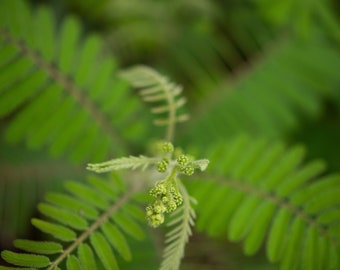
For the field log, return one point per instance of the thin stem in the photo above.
(92, 228)
(172, 113)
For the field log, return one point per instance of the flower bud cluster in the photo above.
(167, 200)
(167, 147)
(184, 164)
(166, 195)
(162, 165)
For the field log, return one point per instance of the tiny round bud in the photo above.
(189, 170)
(159, 207)
(167, 147)
(156, 220)
(165, 199)
(158, 190)
(178, 199)
(162, 166)
(171, 206)
(182, 160)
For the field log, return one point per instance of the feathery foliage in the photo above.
(158, 89)
(123, 163)
(43, 62)
(178, 236)
(263, 193)
(288, 84)
(59, 89)
(88, 223)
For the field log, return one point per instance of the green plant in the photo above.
(66, 98)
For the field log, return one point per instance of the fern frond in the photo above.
(177, 237)
(94, 223)
(131, 162)
(61, 89)
(158, 89)
(270, 196)
(302, 80)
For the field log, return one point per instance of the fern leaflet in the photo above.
(94, 222)
(86, 100)
(123, 163)
(156, 88)
(250, 105)
(267, 191)
(176, 239)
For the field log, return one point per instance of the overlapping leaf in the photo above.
(61, 89)
(263, 193)
(271, 99)
(89, 228)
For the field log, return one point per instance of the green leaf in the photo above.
(134, 211)
(283, 200)
(59, 232)
(105, 187)
(259, 228)
(308, 172)
(21, 92)
(69, 37)
(15, 268)
(28, 260)
(103, 251)
(209, 209)
(178, 236)
(72, 263)
(87, 194)
(157, 89)
(86, 257)
(89, 54)
(130, 162)
(276, 236)
(72, 204)
(292, 251)
(287, 164)
(63, 216)
(323, 200)
(45, 39)
(128, 225)
(241, 219)
(311, 251)
(38, 247)
(117, 240)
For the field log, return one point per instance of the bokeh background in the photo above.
(265, 68)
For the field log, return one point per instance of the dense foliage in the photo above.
(260, 98)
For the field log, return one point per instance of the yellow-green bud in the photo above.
(158, 190)
(182, 160)
(167, 147)
(188, 170)
(162, 166)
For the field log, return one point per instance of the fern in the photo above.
(302, 80)
(156, 88)
(93, 216)
(123, 163)
(263, 190)
(61, 70)
(177, 238)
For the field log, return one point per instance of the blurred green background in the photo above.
(266, 68)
